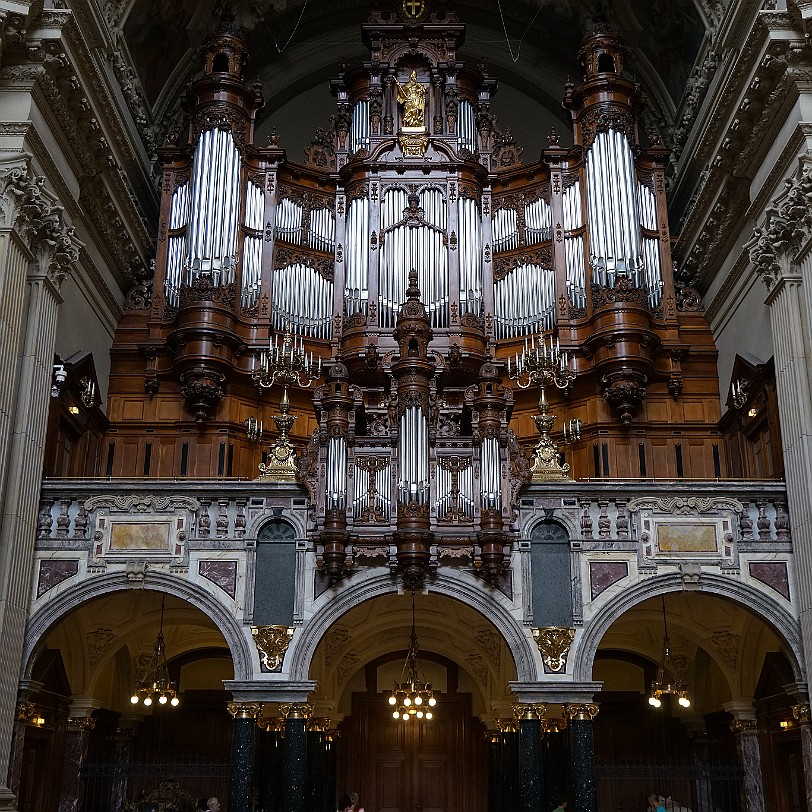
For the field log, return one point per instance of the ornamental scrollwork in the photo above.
(685, 505)
(141, 503)
(503, 266)
(554, 643)
(272, 643)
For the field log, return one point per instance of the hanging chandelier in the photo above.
(412, 697)
(155, 685)
(662, 685)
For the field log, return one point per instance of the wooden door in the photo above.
(436, 766)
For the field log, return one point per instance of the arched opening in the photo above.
(442, 763)
(87, 666)
(737, 672)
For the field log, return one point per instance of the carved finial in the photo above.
(273, 137)
(553, 138)
(413, 292)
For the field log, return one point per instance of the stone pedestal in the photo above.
(582, 757)
(242, 755)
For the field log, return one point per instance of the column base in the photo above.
(8, 800)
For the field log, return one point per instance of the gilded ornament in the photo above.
(296, 710)
(801, 712)
(523, 710)
(554, 643)
(585, 711)
(244, 710)
(272, 642)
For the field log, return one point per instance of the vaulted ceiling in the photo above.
(530, 45)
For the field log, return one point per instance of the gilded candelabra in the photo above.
(288, 365)
(543, 364)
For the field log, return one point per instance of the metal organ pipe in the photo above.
(466, 126)
(470, 247)
(647, 204)
(356, 291)
(214, 208)
(490, 479)
(322, 235)
(413, 457)
(538, 219)
(336, 484)
(176, 253)
(252, 244)
(413, 246)
(303, 299)
(289, 221)
(359, 127)
(574, 246)
(614, 234)
(524, 302)
(505, 230)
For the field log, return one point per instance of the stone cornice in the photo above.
(752, 112)
(58, 68)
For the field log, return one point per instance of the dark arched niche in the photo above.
(275, 574)
(551, 575)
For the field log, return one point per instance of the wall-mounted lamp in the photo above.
(87, 392)
(59, 377)
(738, 389)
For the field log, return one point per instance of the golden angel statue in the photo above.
(412, 96)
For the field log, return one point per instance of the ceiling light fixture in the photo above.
(412, 697)
(155, 685)
(662, 685)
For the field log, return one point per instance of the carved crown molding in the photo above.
(685, 505)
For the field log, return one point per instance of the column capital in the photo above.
(529, 711)
(244, 710)
(741, 726)
(586, 711)
(296, 710)
(801, 712)
(83, 723)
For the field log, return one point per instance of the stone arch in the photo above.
(55, 610)
(783, 624)
(465, 589)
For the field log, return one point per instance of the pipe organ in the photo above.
(414, 253)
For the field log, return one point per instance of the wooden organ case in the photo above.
(414, 254)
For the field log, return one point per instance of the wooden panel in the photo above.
(133, 409)
(396, 767)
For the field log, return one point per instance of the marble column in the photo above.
(530, 777)
(331, 743)
(316, 766)
(125, 736)
(801, 712)
(270, 771)
(555, 761)
(240, 795)
(294, 756)
(77, 740)
(510, 765)
(582, 756)
(749, 753)
(24, 712)
(36, 253)
(494, 771)
(699, 754)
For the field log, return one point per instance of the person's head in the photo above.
(653, 800)
(344, 803)
(213, 804)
